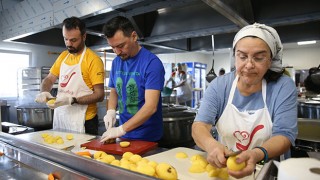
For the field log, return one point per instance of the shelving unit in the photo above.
(29, 80)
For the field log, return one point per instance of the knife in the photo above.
(232, 154)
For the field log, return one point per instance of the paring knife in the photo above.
(233, 154)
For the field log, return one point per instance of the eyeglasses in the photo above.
(256, 59)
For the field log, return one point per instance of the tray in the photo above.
(182, 165)
(37, 138)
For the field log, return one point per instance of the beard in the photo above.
(72, 50)
(124, 56)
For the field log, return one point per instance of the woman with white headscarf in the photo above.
(252, 109)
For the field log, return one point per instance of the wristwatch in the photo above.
(74, 101)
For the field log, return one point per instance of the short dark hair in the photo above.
(74, 23)
(118, 23)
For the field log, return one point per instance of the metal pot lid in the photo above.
(32, 106)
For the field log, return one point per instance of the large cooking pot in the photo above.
(177, 129)
(308, 110)
(315, 76)
(39, 118)
(312, 82)
(173, 108)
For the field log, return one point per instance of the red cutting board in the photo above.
(136, 147)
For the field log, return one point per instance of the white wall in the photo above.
(300, 58)
(220, 60)
(39, 54)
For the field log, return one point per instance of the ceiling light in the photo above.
(306, 42)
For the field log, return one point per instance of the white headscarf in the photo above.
(267, 34)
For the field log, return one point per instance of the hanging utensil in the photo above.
(211, 75)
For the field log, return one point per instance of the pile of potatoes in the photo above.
(135, 162)
(50, 139)
(199, 164)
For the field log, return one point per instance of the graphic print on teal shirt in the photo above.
(132, 96)
(119, 84)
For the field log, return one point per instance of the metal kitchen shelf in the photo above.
(29, 82)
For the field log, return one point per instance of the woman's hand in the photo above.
(251, 158)
(216, 154)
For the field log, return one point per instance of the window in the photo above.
(10, 62)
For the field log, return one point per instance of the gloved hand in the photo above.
(60, 101)
(110, 119)
(43, 97)
(114, 132)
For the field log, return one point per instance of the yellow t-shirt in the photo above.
(92, 72)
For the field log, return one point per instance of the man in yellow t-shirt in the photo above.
(81, 82)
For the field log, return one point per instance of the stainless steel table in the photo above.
(28, 160)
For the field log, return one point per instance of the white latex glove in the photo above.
(60, 101)
(110, 119)
(43, 97)
(112, 133)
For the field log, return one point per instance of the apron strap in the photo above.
(234, 85)
(264, 92)
(233, 88)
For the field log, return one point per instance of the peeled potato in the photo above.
(233, 165)
(127, 155)
(135, 158)
(51, 101)
(181, 155)
(69, 136)
(124, 144)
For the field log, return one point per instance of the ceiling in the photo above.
(171, 26)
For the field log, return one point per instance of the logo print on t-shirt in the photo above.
(68, 79)
(243, 136)
(132, 96)
(119, 84)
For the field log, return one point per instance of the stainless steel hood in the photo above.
(169, 26)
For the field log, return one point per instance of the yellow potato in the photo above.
(153, 164)
(197, 157)
(43, 135)
(200, 162)
(125, 166)
(209, 168)
(146, 169)
(69, 136)
(196, 169)
(233, 165)
(133, 167)
(166, 171)
(59, 141)
(135, 158)
(99, 154)
(109, 158)
(181, 155)
(51, 101)
(214, 172)
(115, 162)
(124, 144)
(127, 155)
(223, 174)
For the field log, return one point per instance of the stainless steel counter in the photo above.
(28, 159)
